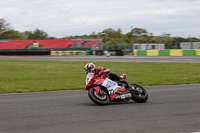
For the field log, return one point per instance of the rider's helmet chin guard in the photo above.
(89, 67)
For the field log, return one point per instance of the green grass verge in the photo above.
(26, 76)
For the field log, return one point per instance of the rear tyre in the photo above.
(97, 98)
(141, 95)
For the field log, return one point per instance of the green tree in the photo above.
(11, 34)
(192, 39)
(138, 35)
(138, 32)
(4, 26)
(167, 40)
(37, 34)
(6, 31)
(111, 33)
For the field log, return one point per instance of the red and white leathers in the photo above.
(101, 70)
(90, 68)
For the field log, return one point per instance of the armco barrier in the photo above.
(79, 52)
(87, 52)
(141, 53)
(163, 53)
(176, 53)
(56, 53)
(63, 52)
(52, 53)
(39, 51)
(83, 52)
(189, 52)
(152, 52)
(173, 52)
(66, 52)
(135, 52)
(197, 52)
(59, 52)
(75, 52)
(70, 53)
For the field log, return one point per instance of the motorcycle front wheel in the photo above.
(141, 95)
(100, 99)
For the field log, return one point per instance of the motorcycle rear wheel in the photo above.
(97, 98)
(141, 96)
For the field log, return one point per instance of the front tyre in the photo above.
(140, 95)
(98, 98)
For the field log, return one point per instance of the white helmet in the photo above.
(89, 67)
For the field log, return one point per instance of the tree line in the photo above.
(8, 33)
(109, 36)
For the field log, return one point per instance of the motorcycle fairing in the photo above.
(88, 77)
(113, 89)
(97, 89)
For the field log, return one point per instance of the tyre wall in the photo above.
(173, 52)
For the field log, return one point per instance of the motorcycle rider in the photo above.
(90, 67)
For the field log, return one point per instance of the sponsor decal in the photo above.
(115, 90)
(110, 84)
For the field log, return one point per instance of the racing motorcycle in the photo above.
(102, 90)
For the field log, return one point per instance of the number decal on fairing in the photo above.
(110, 84)
(88, 77)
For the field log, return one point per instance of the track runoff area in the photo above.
(169, 109)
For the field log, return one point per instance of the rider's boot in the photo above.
(122, 79)
(128, 85)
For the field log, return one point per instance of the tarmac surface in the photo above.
(191, 59)
(169, 109)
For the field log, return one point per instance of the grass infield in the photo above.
(26, 76)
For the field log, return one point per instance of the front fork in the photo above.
(98, 90)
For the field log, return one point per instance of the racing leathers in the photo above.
(113, 76)
(101, 70)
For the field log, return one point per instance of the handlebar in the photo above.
(104, 74)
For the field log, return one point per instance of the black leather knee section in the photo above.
(114, 76)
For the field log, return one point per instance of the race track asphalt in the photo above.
(170, 109)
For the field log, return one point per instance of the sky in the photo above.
(61, 18)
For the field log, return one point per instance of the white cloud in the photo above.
(61, 18)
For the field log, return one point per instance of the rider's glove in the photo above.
(103, 72)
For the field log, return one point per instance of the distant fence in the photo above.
(24, 52)
(70, 53)
(110, 52)
(87, 52)
(36, 51)
(60, 52)
(173, 52)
